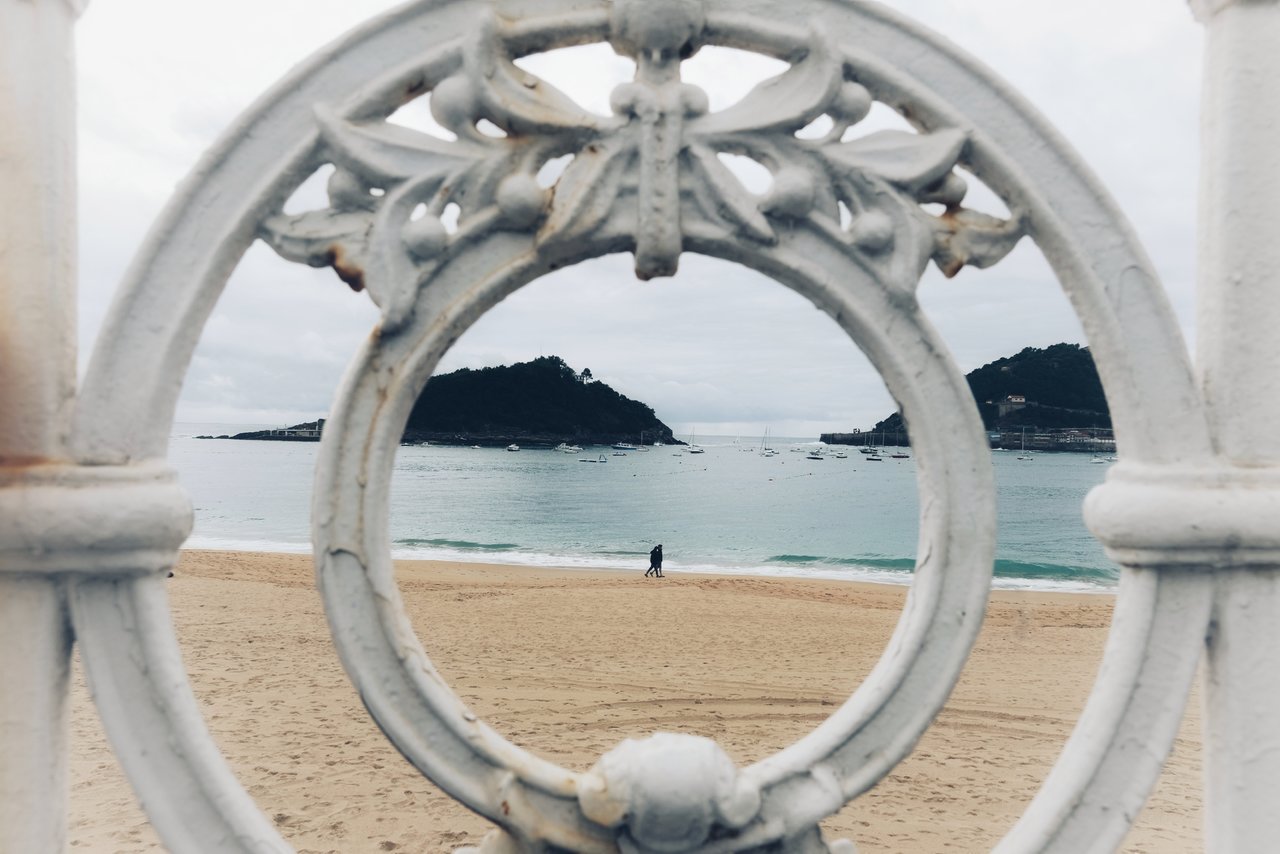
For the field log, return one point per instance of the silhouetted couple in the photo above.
(655, 562)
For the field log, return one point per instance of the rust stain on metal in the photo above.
(968, 237)
(956, 260)
(27, 462)
(952, 268)
(347, 271)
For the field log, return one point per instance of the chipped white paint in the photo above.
(87, 532)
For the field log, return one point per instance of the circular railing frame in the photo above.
(131, 389)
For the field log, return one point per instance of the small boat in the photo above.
(696, 449)
(600, 459)
(867, 450)
(841, 455)
(619, 453)
(900, 456)
(568, 449)
(814, 455)
(513, 447)
(765, 450)
(475, 447)
(1098, 461)
(874, 458)
(624, 446)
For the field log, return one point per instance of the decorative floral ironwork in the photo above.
(658, 152)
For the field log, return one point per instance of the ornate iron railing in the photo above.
(91, 515)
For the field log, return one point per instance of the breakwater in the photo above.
(1079, 440)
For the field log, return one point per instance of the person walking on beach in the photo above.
(655, 562)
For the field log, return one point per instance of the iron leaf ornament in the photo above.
(655, 164)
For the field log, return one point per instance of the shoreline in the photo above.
(816, 570)
(567, 662)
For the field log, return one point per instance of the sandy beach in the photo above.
(567, 663)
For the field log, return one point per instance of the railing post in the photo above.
(37, 389)
(1238, 355)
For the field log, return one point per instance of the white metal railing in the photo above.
(90, 515)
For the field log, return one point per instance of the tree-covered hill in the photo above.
(1062, 376)
(1060, 384)
(539, 402)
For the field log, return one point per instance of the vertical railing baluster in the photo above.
(37, 388)
(1238, 354)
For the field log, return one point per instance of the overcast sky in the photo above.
(718, 349)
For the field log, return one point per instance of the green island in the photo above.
(1046, 399)
(540, 403)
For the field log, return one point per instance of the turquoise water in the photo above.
(728, 510)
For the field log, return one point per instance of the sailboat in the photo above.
(765, 450)
(1022, 451)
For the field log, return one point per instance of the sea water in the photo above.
(729, 510)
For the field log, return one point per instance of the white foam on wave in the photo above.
(638, 563)
(225, 544)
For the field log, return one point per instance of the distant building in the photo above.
(306, 432)
(1011, 403)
